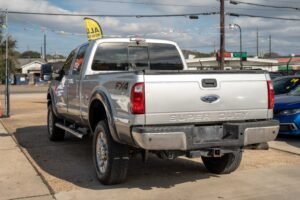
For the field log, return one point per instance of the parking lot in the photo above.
(64, 170)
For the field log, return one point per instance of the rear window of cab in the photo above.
(120, 56)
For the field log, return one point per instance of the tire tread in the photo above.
(117, 166)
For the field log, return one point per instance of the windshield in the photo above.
(284, 86)
(295, 92)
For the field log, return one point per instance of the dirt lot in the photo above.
(67, 166)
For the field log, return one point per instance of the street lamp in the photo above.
(288, 63)
(232, 27)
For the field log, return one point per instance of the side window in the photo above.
(76, 68)
(111, 57)
(67, 64)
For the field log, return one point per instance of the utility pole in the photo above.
(45, 46)
(222, 33)
(270, 46)
(257, 43)
(7, 106)
(41, 52)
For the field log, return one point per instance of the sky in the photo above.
(65, 33)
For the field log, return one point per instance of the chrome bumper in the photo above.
(260, 135)
(160, 141)
(192, 137)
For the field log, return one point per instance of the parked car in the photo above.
(48, 68)
(287, 111)
(275, 75)
(285, 84)
(297, 73)
(137, 96)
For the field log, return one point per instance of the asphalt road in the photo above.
(68, 172)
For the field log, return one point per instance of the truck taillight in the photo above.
(138, 99)
(270, 95)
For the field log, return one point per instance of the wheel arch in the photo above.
(100, 109)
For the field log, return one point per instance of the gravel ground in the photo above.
(21, 89)
(67, 165)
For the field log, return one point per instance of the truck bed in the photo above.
(184, 97)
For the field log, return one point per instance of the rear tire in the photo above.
(223, 165)
(54, 133)
(110, 158)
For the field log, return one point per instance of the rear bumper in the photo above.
(199, 137)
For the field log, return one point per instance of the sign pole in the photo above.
(7, 106)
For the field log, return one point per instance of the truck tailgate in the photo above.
(189, 98)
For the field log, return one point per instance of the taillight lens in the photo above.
(270, 95)
(138, 99)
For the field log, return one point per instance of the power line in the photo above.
(263, 5)
(110, 15)
(263, 9)
(147, 3)
(150, 16)
(284, 1)
(165, 4)
(260, 16)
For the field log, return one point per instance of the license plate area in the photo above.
(209, 134)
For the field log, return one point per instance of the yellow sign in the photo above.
(93, 29)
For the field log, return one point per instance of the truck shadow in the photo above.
(293, 140)
(71, 161)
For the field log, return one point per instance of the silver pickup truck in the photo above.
(137, 96)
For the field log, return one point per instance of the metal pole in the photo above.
(287, 65)
(6, 68)
(45, 47)
(257, 44)
(222, 33)
(241, 48)
(270, 46)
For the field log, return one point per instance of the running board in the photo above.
(75, 133)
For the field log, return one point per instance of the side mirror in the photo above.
(46, 72)
(46, 77)
(57, 74)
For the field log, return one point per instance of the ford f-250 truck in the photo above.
(136, 95)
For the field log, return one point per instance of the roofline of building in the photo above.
(210, 59)
(21, 67)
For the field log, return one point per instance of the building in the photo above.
(290, 64)
(211, 63)
(31, 67)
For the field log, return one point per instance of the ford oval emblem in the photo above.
(210, 98)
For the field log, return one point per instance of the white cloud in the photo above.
(202, 33)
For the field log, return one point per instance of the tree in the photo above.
(197, 54)
(30, 54)
(12, 56)
(55, 56)
(273, 55)
(12, 53)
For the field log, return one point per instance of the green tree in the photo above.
(273, 55)
(30, 54)
(12, 55)
(197, 54)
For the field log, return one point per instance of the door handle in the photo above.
(209, 83)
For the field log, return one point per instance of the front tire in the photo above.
(223, 165)
(54, 133)
(110, 158)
